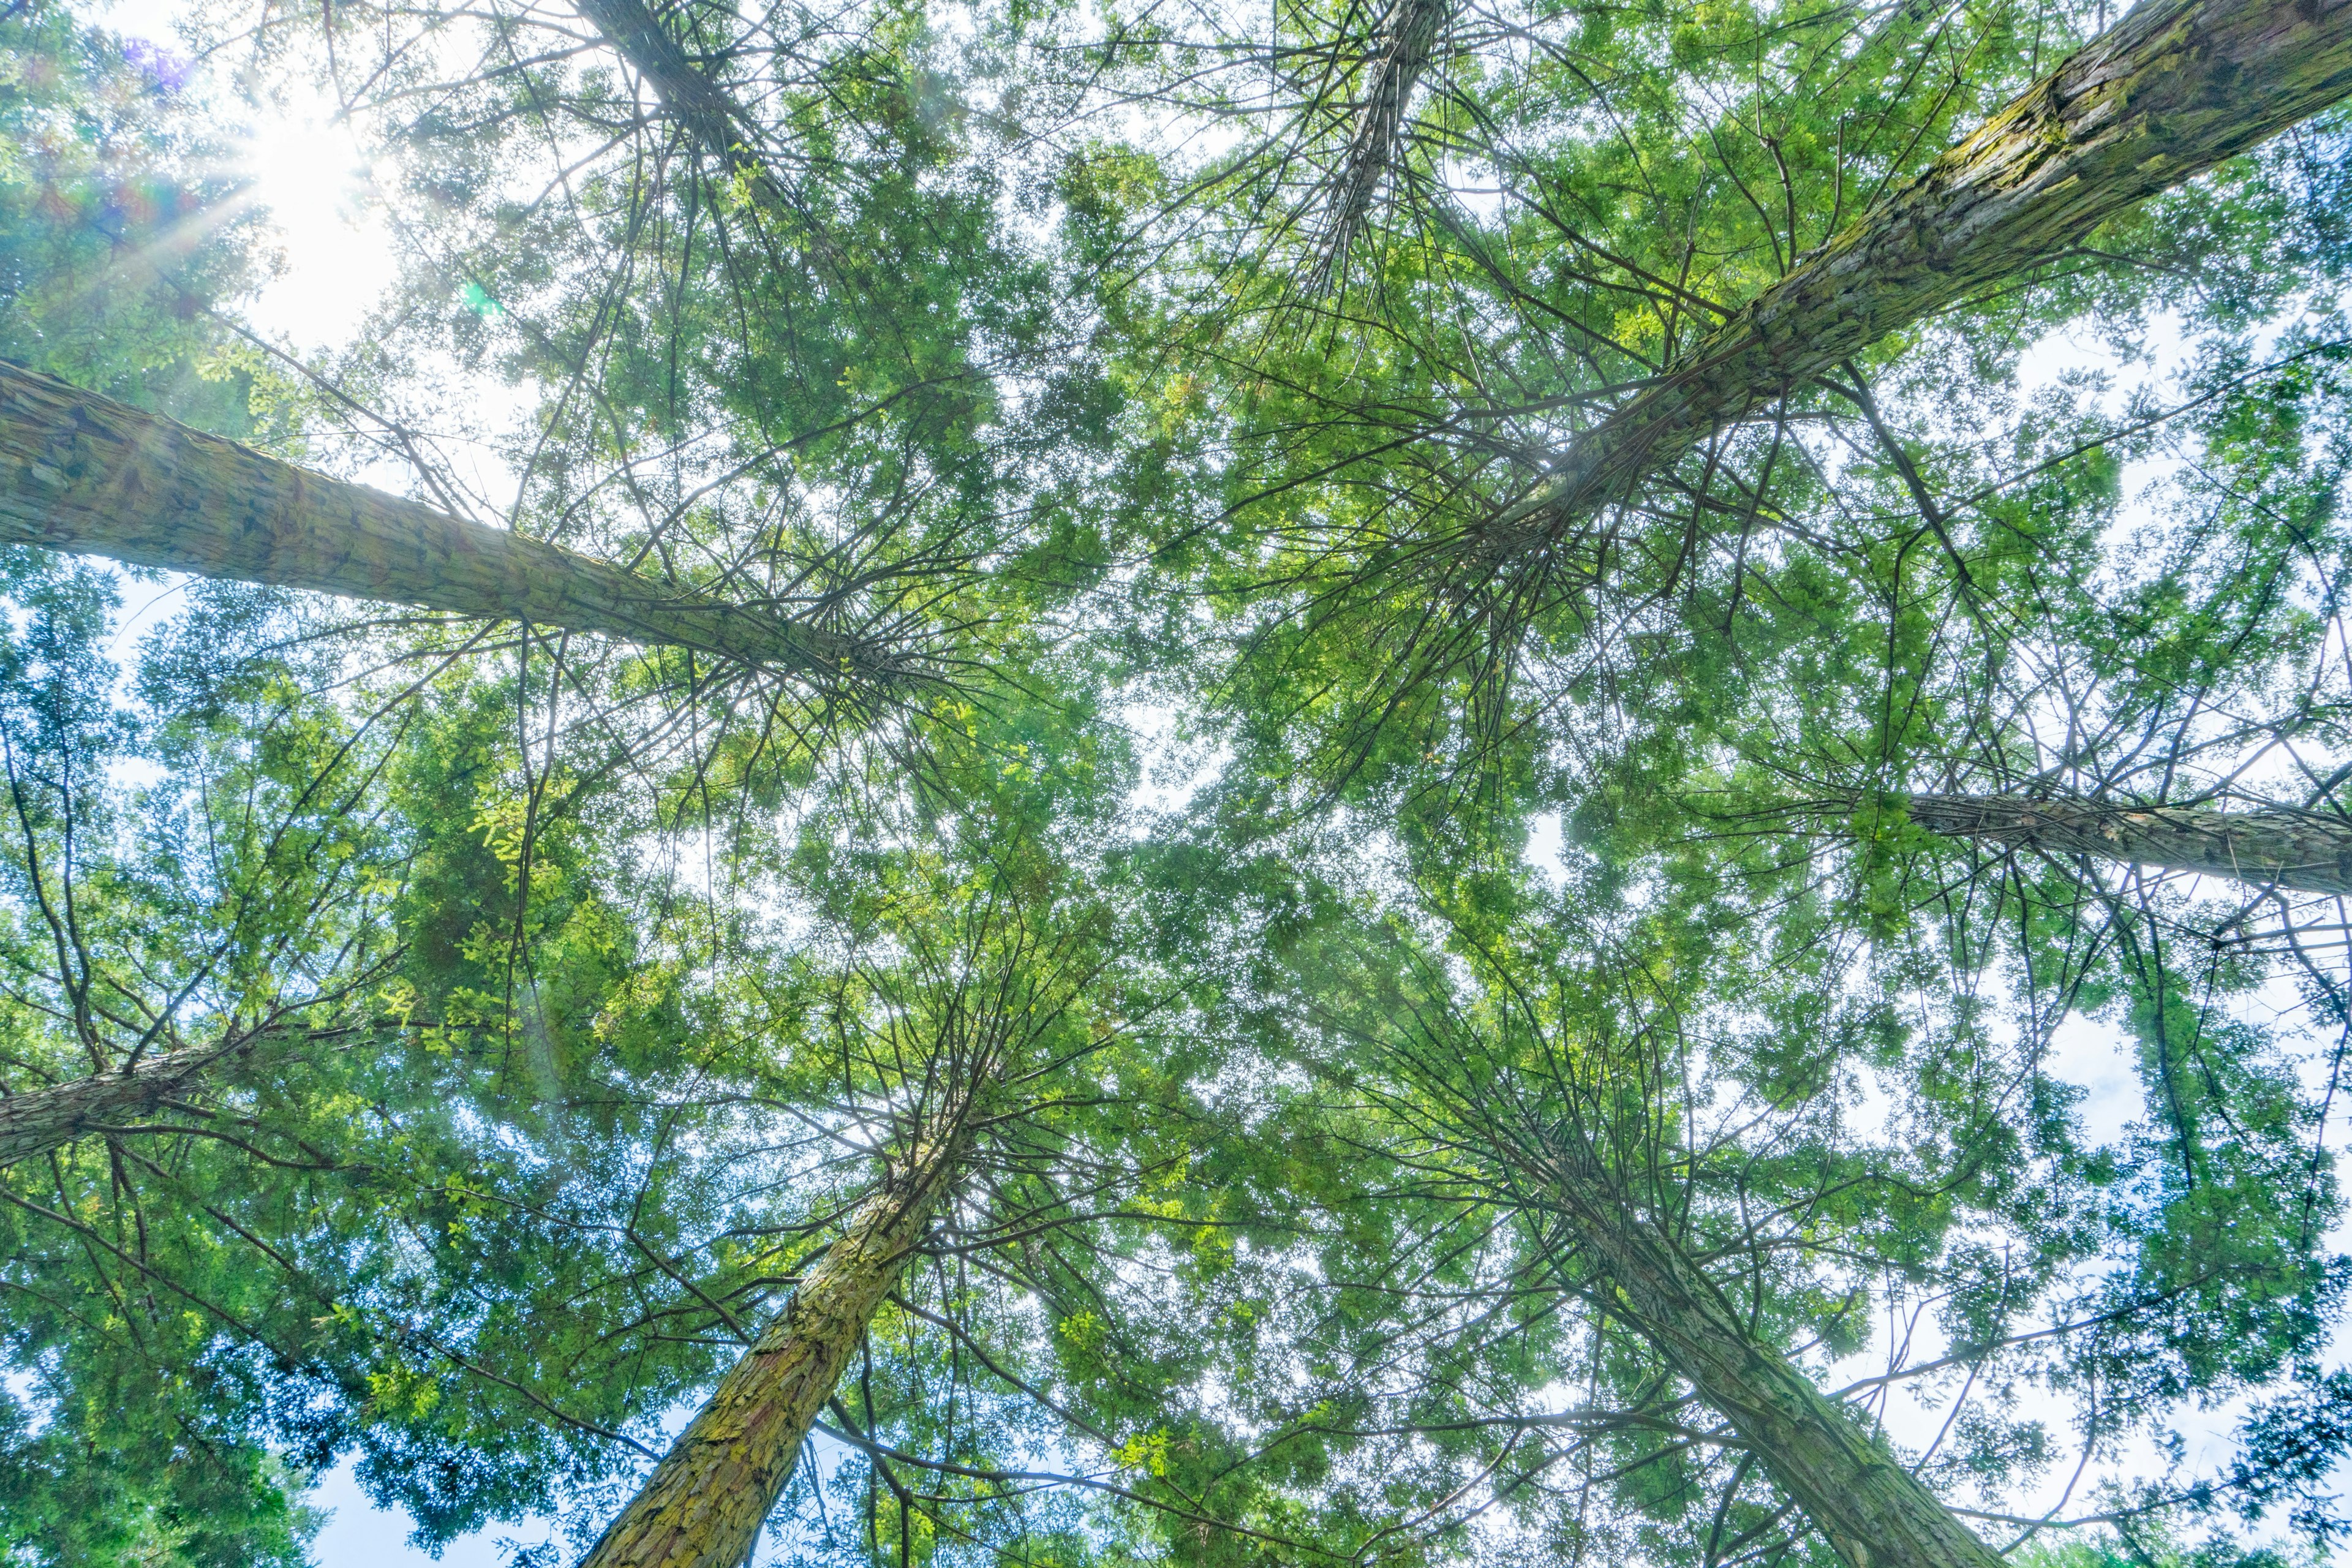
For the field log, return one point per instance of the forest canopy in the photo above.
(1138, 783)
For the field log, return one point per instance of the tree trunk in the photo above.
(40, 1119)
(706, 1501)
(2174, 88)
(33, 1123)
(2310, 851)
(1392, 69)
(83, 473)
(701, 108)
(1877, 1513)
(704, 111)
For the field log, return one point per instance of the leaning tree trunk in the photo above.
(83, 473)
(33, 1123)
(1391, 69)
(1873, 1511)
(2173, 89)
(2306, 850)
(706, 1501)
(40, 1119)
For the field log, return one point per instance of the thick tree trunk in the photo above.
(706, 1501)
(2306, 850)
(33, 1123)
(2173, 89)
(84, 473)
(40, 1119)
(1877, 1513)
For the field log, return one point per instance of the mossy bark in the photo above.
(83, 473)
(1874, 1512)
(2306, 850)
(706, 1501)
(2173, 89)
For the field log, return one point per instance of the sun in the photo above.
(307, 170)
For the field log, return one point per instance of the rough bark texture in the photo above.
(707, 1500)
(2300, 849)
(2174, 88)
(84, 473)
(33, 1123)
(1877, 1513)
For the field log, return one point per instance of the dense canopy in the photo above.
(1139, 784)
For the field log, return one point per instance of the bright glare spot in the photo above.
(1547, 849)
(309, 176)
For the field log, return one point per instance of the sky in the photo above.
(311, 176)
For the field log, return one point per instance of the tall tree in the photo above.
(91, 476)
(2311, 851)
(1598, 1096)
(996, 994)
(2174, 88)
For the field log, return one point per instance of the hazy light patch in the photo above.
(2074, 351)
(2096, 1058)
(1546, 850)
(25, 1387)
(1172, 771)
(157, 21)
(1475, 187)
(1872, 1114)
(146, 605)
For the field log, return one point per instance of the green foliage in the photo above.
(586, 991)
(119, 239)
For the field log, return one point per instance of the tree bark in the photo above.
(38, 1121)
(83, 473)
(1875, 1512)
(2173, 89)
(706, 1501)
(1392, 69)
(703, 110)
(2309, 851)
(690, 97)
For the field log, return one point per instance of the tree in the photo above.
(93, 477)
(472, 1047)
(2167, 93)
(1629, 1127)
(995, 997)
(2295, 849)
(1382, 472)
(35, 1122)
(122, 235)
